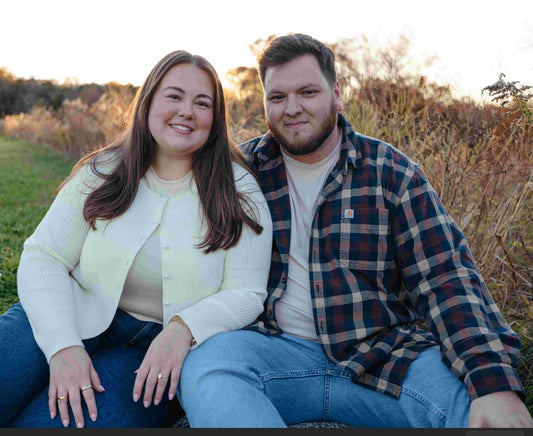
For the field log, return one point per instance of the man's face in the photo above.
(301, 108)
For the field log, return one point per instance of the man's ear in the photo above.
(338, 101)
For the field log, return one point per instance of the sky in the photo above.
(121, 40)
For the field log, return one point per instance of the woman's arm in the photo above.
(49, 254)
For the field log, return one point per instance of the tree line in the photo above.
(18, 95)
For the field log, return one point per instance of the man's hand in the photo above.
(500, 409)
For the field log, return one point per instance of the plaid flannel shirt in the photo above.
(384, 254)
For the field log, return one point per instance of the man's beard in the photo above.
(300, 147)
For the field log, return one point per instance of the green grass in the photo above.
(29, 176)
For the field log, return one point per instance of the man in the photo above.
(363, 249)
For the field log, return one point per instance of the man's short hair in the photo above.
(283, 49)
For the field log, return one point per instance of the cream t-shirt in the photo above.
(294, 311)
(142, 296)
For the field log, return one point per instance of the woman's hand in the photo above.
(72, 376)
(163, 361)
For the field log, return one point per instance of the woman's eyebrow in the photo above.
(177, 88)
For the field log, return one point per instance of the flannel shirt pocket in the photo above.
(365, 240)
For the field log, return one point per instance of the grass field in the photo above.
(30, 175)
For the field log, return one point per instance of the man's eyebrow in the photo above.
(307, 85)
(177, 88)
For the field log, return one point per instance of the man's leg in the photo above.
(431, 397)
(246, 379)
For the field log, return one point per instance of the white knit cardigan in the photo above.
(70, 277)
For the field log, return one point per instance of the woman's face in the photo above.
(181, 113)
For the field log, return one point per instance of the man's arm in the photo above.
(446, 287)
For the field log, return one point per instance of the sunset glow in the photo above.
(103, 41)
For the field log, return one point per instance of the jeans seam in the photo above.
(289, 374)
(427, 403)
(327, 388)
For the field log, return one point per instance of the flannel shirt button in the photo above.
(270, 313)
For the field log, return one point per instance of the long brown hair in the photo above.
(223, 206)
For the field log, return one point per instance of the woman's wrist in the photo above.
(178, 319)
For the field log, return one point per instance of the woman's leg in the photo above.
(122, 349)
(23, 367)
(116, 368)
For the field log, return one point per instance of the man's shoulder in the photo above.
(250, 146)
(380, 153)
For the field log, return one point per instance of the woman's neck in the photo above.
(171, 169)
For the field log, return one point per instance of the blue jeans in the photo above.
(116, 354)
(247, 379)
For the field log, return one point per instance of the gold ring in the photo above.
(86, 387)
(160, 376)
(62, 397)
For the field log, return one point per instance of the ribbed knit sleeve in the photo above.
(49, 254)
(243, 290)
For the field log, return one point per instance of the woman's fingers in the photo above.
(142, 372)
(162, 380)
(149, 386)
(174, 380)
(62, 405)
(87, 393)
(75, 404)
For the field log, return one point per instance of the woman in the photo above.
(153, 244)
